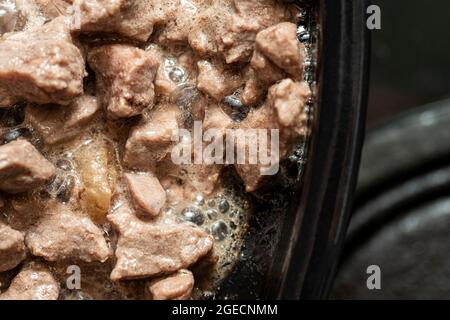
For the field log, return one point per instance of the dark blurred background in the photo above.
(410, 57)
(401, 219)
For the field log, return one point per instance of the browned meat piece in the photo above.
(12, 248)
(284, 109)
(146, 192)
(147, 249)
(56, 124)
(41, 65)
(34, 282)
(129, 18)
(151, 141)
(22, 167)
(216, 80)
(65, 235)
(125, 77)
(280, 44)
(177, 286)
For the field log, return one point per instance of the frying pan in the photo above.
(295, 239)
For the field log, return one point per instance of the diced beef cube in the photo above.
(151, 141)
(261, 76)
(41, 65)
(278, 54)
(64, 235)
(125, 77)
(56, 124)
(177, 286)
(252, 16)
(147, 249)
(12, 248)
(146, 192)
(288, 99)
(180, 17)
(216, 80)
(280, 44)
(22, 167)
(204, 177)
(133, 19)
(285, 110)
(34, 282)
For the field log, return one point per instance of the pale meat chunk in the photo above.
(217, 80)
(41, 65)
(22, 167)
(278, 54)
(34, 282)
(204, 177)
(12, 248)
(146, 192)
(125, 76)
(279, 43)
(132, 19)
(151, 141)
(57, 124)
(285, 110)
(64, 235)
(260, 77)
(147, 249)
(177, 286)
(252, 16)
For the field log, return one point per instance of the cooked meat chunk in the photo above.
(270, 64)
(146, 192)
(41, 65)
(216, 80)
(151, 141)
(228, 28)
(12, 248)
(129, 18)
(288, 100)
(56, 124)
(177, 286)
(124, 78)
(251, 17)
(180, 16)
(34, 282)
(280, 44)
(22, 167)
(285, 110)
(146, 249)
(204, 177)
(65, 235)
